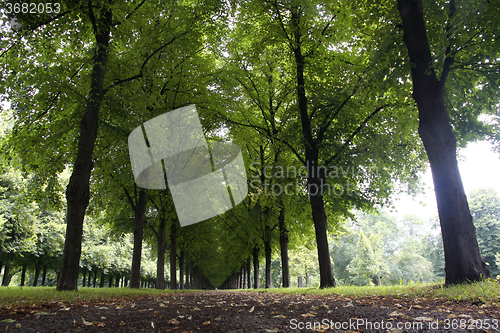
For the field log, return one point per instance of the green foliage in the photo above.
(378, 249)
(485, 209)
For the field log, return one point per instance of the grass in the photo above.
(486, 291)
(24, 296)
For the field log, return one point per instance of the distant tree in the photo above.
(485, 209)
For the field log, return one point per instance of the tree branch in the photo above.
(356, 132)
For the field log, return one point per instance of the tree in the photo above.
(430, 75)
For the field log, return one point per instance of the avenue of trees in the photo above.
(336, 105)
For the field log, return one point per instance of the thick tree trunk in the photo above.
(6, 274)
(102, 279)
(140, 211)
(77, 192)
(314, 181)
(255, 254)
(173, 255)
(162, 245)
(44, 276)
(463, 261)
(38, 267)
(249, 273)
(267, 251)
(285, 270)
(23, 275)
(181, 270)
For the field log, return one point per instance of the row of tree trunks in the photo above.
(241, 279)
(8, 276)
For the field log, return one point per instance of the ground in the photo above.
(239, 311)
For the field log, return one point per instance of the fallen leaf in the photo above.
(174, 321)
(7, 321)
(88, 323)
(251, 310)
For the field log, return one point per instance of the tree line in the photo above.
(376, 88)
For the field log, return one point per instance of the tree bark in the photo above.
(255, 254)
(160, 264)
(249, 273)
(38, 267)
(78, 192)
(140, 211)
(268, 250)
(23, 275)
(181, 270)
(173, 255)
(285, 269)
(463, 261)
(44, 275)
(6, 273)
(102, 280)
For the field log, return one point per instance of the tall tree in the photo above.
(463, 261)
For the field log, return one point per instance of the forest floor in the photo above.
(254, 311)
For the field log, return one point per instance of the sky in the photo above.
(479, 167)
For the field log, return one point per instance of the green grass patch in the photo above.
(486, 291)
(25, 296)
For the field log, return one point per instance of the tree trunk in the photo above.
(314, 181)
(463, 261)
(23, 275)
(77, 192)
(89, 278)
(268, 250)
(38, 267)
(285, 269)
(160, 264)
(249, 271)
(102, 280)
(255, 254)
(173, 255)
(181, 270)
(140, 211)
(44, 275)
(95, 278)
(6, 274)
(84, 278)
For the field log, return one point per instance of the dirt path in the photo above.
(225, 311)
